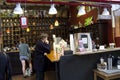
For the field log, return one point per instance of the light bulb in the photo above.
(51, 26)
(28, 29)
(8, 31)
(56, 23)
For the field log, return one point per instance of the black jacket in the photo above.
(5, 67)
(41, 48)
(39, 58)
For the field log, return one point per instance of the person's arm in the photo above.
(28, 49)
(46, 48)
(42, 47)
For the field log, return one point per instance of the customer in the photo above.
(5, 67)
(42, 47)
(25, 56)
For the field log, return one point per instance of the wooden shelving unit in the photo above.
(97, 30)
(12, 30)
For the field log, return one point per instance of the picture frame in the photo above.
(86, 41)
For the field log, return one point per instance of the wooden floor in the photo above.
(48, 76)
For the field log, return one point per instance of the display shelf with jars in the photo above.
(12, 31)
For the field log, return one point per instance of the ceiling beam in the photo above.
(58, 2)
(48, 1)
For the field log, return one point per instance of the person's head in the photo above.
(22, 40)
(43, 36)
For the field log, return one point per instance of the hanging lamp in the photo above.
(52, 10)
(105, 15)
(27, 29)
(81, 11)
(105, 12)
(18, 9)
(56, 23)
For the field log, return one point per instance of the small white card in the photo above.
(102, 47)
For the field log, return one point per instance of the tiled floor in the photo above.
(48, 76)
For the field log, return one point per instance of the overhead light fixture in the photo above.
(105, 15)
(52, 10)
(28, 29)
(18, 9)
(105, 12)
(51, 26)
(56, 23)
(81, 11)
(8, 31)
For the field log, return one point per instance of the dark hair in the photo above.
(22, 40)
(43, 36)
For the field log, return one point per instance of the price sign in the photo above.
(24, 22)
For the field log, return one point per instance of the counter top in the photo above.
(98, 51)
(55, 56)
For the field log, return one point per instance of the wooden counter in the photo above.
(53, 56)
(98, 51)
(56, 56)
(80, 66)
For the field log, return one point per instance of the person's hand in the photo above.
(46, 41)
(45, 54)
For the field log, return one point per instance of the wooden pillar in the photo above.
(73, 14)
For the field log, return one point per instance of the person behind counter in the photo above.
(25, 55)
(5, 67)
(42, 47)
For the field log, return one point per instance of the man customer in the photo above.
(42, 47)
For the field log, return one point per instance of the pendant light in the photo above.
(56, 23)
(52, 10)
(18, 9)
(81, 11)
(8, 31)
(27, 29)
(105, 12)
(51, 26)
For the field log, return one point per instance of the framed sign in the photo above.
(24, 22)
(83, 40)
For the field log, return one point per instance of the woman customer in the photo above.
(42, 47)
(25, 56)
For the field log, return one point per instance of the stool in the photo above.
(105, 76)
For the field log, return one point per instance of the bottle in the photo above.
(101, 60)
(118, 63)
(109, 61)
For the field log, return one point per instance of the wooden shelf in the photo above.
(37, 26)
